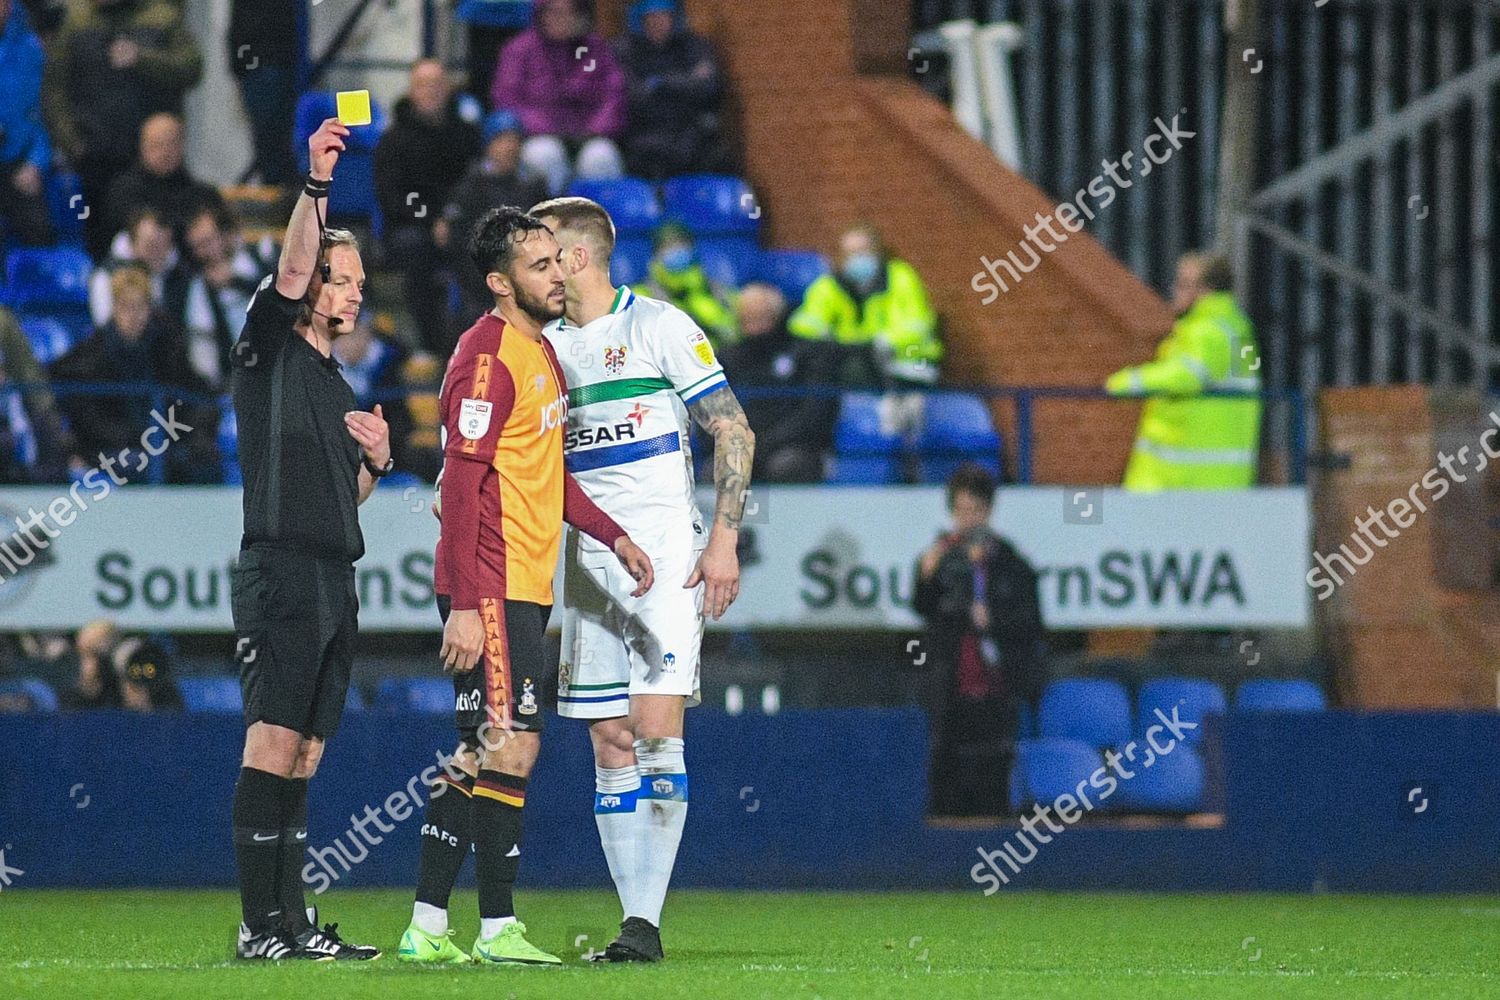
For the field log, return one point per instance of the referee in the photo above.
(309, 460)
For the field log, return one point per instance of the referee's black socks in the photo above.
(258, 803)
(293, 850)
(498, 803)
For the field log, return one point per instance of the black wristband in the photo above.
(314, 188)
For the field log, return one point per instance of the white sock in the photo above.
(615, 791)
(432, 919)
(661, 811)
(490, 926)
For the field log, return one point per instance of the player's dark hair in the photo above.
(974, 480)
(585, 219)
(492, 244)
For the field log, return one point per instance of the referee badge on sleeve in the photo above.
(474, 418)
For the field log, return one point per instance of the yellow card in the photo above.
(353, 106)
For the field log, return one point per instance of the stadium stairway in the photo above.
(836, 132)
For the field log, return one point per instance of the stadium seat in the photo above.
(47, 278)
(791, 271)
(428, 695)
(50, 336)
(1193, 699)
(1092, 710)
(1172, 784)
(217, 695)
(229, 430)
(631, 262)
(64, 193)
(956, 428)
(866, 451)
(729, 260)
(1267, 694)
(1025, 720)
(354, 194)
(630, 202)
(711, 205)
(353, 700)
(36, 693)
(1051, 767)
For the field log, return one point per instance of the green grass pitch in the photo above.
(167, 944)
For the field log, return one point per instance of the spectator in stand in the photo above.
(33, 445)
(677, 277)
(373, 367)
(146, 243)
(986, 649)
(133, 347)
(564, 83)
(112, 65)
(25, 150)
(675, 86)
(159, 181)
(419, 160)
(490, 23)
(792, 433)
(876, 308)
(97, 685)
(262, 43)
(226, 272)
(494, 180)
(143, 670)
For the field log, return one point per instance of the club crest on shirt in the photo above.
(528, 698)
(614, 360)
(474, 418)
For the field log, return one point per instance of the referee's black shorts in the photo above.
(505, 687)
(296, 614)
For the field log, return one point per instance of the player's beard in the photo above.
(540, 309)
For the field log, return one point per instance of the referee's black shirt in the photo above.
(300, 464)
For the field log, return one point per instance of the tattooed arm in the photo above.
(718, 568)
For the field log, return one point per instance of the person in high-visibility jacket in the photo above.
(1189, 440)
(877, 302)
(676, 276)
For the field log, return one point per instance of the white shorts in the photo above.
(615, 645)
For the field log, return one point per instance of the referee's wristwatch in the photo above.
(379, 471)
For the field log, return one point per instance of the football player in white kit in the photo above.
(636, 369)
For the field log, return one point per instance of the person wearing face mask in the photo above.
(678, 278)
(1187, 439)
(877, 308)
(985, 648)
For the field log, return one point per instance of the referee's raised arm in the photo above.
(299, 250)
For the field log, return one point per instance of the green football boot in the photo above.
(510, 947)
(433, 949)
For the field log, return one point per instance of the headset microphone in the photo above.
(333, 321)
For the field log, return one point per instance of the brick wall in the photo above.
(826, 145)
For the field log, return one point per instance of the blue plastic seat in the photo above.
(792, 271)
(47, 277)
(1051, 767)
(712, 205)
(49, 335)
(353, 700)
(865, 451)
(229, 430)
(354, 194)
(1191, 697)
(213, 695)
(957, 429)
(729, 260)
(1267, 694)
(34, 691)
(631, 263)
(630, 202)
(64, 194)
(1172, 784)
(428, 695)
(1092, 710)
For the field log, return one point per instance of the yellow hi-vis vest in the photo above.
(1188, 441)
(899, 317)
